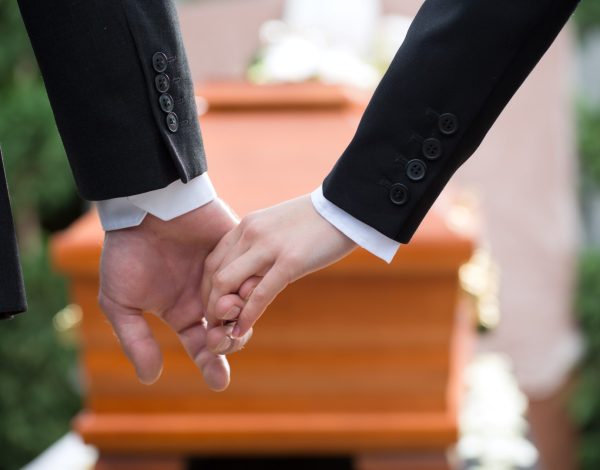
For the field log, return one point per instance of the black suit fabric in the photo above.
(122, 95)
(12, 291)
(99, 63)
(460, 64)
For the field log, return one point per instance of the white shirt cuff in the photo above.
(166, 203)
(360, 233)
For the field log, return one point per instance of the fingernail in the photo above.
(232, 314)
(224, 345)
(236, 331)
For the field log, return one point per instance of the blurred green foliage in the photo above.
(586, 400)
(587, 16)
(38, 393)
(35, 162)
(38, 385)
(589, 143)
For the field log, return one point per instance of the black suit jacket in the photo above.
(460, 64)
(121, 91)
(119, 84)
(12, 292)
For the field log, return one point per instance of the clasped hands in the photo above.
(208, 278)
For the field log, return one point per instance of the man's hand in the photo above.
(157, 268)
(260, 257)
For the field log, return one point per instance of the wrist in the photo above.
(344, 240)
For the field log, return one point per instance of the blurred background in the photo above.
(540, 334)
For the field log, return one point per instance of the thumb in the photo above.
(136, 338)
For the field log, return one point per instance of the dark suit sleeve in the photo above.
(458, 67)
(121, 91)
(12, 289)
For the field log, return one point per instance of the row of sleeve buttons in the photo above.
(416, 169)
(162, 82)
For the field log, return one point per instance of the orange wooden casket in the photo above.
(360, 359)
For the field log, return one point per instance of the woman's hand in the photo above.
(267, 251)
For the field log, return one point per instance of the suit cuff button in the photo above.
(399, 194)
(448, 124)
(162, 83)
(416, 169)
(172, 122)
(166, 102)
(432, 148)
(159, 62)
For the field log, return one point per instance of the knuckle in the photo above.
(220, 280)
(250, 233)
(260, 295)
(251, 228)
(246, 221)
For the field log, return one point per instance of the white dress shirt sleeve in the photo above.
(360, 233)
(166, 203)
